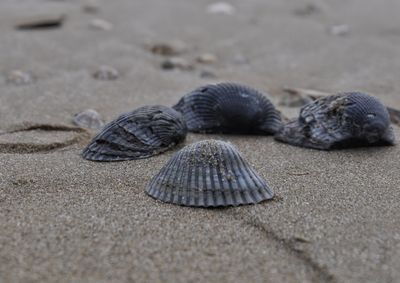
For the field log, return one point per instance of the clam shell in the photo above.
(142, 133)
(338, 121)
(207, 174)
(229, 108)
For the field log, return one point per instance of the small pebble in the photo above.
(206, 58)
(41, 22)
(176, 63)
(18, 77)
(221, 8)
(172, 48)
(91, 7)
(100, 24)
(106, 73)
(339, 30)
(88, 118)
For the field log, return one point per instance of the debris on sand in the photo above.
(206, 58)
(176, 63)
(89, 119)
(106, 73)
(171, 48)
(91, 7)
(18, 77)
(41, 22)
(101, 24)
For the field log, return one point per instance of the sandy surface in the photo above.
(336, 214)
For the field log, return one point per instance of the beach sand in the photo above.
(335, 217)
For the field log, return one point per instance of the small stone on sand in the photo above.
(88, 118)
(91, 7)
(206, 58)
(106, 73)
(100, 24)
(176, 63)
(168, 48)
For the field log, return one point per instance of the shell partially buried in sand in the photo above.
(142, 133)
(338, 121)
(208, 174)
(229, 108)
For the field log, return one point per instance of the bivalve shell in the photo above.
(208, 174)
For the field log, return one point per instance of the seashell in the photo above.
(142, 133)
(229, 108)
(207, 174)
(88, 118)
(337, 121)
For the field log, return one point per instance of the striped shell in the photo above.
(142, 133)
(229, 108)
(207, 174)
(338, 121)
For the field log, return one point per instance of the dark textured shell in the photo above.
(338, 121)
(142, 133)
(229, 108)
(207, 174)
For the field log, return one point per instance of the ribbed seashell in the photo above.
(229, 108)
(142, 133)
(207, 174)
(343, 120)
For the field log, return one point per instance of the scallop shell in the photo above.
(142, 133)
(207, 174)
(343, 120)
(229, 108)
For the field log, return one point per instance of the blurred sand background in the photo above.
(336, 217)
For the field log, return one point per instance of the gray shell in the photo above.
(208, 174)
(338, 121)
(142, 133)
(229, 108)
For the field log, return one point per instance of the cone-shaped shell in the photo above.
(208, 174)
(142, 133)
(229, 108)
(342, 120)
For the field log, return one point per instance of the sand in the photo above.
(336, 214)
